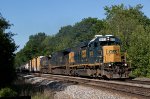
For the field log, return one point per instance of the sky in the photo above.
(33, 16)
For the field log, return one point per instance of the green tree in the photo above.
(49, 45)
(132, 26)
(7, 48)
(7, 92)
(33, 48)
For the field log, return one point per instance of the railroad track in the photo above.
(137, 82)
(127, 86)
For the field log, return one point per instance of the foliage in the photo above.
(131, 25)
(7, 48)
(33, 48)
(7, 92)
(128, 23)
(45, 95)
(68, 36)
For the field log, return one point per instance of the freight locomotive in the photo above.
(100, 57)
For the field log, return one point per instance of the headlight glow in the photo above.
(125, 64)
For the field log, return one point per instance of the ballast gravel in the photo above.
(82, 92)
(64, 90)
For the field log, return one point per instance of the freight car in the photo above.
(100, 57)
(35, 64)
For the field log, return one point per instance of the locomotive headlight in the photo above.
(125, 64)
(108, 38)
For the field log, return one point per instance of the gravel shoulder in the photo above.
(70, 90)
(85, 92)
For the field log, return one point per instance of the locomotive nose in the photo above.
(111, 54)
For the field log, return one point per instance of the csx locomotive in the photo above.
(99, 57)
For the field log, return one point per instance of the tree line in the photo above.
(130, 24)
(7, 55)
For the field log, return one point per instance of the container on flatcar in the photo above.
(35, 64)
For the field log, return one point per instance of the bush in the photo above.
(7, 92)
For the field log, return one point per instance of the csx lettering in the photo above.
(113, 52)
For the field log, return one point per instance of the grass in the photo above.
(27, 89)
(45, 95)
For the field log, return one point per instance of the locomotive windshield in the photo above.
(104, 40)
(109, 41)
